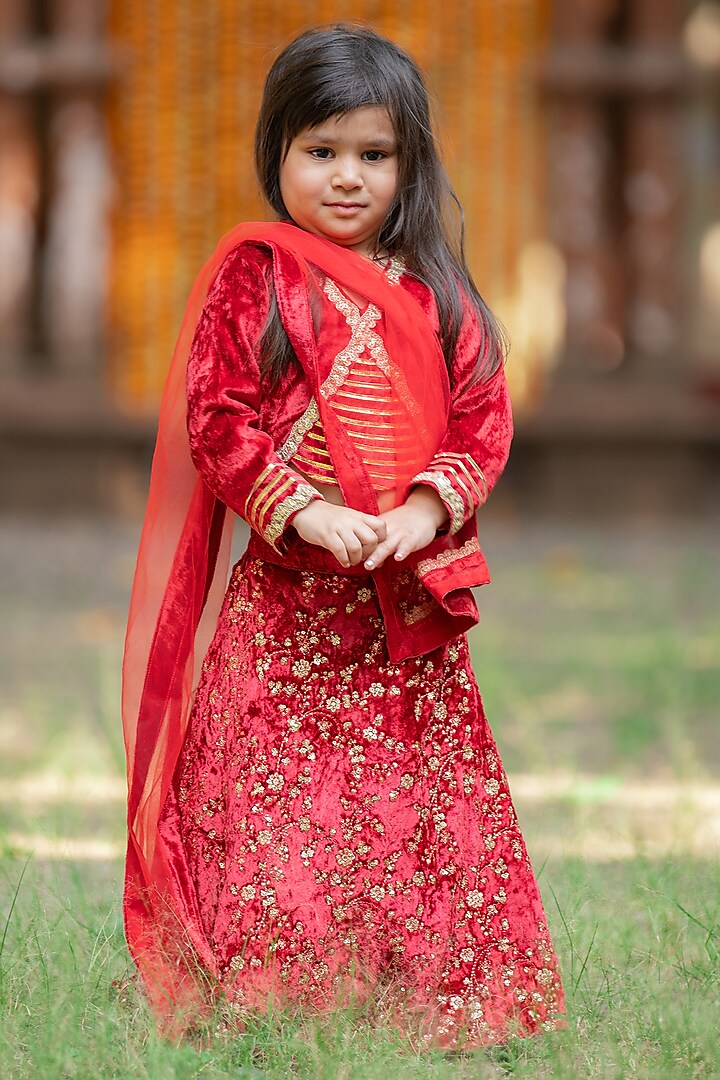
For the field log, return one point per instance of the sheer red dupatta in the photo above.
(181, 577)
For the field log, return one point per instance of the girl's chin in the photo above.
(346, 238)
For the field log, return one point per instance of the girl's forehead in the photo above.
(364, 120)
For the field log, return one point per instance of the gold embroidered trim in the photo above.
(355, 384)
(316, 470)
(311, 448)
(364, 411)
(395, 269)
(378, 374)
(343, 392)
(274, 494)
(263, 483)
(386, 463)
(468, 491)
(300, 498)
(482, 476)
(377, 435)
(445, 558)
(448, 494)
(362, 337)
(298, 431)
(370, 369)
(463, 476)
(461, 459)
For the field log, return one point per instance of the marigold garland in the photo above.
(182, 116)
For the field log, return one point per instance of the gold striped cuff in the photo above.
(298, 500)
(454, 502)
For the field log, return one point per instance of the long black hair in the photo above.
(327, 72)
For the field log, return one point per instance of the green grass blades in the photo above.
(639, 947)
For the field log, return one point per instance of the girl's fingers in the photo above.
(354, 549)
(377, 558)
(337, 548)
(377, 524)
(367, 538)
(350, 549)
(383, 550)
(352, 536)
(360, 541)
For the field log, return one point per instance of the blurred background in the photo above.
(584, 140)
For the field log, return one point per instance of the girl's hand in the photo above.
(410, 527)
(348, 534)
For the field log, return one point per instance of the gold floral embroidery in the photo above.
(413, 600)
(445, 558)
(326, 800)
(413, 613)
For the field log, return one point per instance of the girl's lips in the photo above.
(346, 209)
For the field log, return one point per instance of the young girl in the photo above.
(322, 816)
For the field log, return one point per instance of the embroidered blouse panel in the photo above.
(256, 446)
(362, 397)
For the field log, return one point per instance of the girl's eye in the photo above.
(322, 153)
(374, 155)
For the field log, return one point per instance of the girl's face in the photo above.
(338, 179)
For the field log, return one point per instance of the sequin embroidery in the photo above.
(347, 821)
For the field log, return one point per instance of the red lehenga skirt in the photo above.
(346, 824)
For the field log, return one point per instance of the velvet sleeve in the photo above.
(235, 457)
(476, 444)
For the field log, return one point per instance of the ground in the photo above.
(598, 656)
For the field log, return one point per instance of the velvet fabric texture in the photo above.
(237, 453)
(236, 429)
(343, 826)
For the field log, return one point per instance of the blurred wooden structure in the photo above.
(125, 150)
(631, 416)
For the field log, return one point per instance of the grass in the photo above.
(639, 947)
(597, 657)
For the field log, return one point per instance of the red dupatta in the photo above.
(181, 576)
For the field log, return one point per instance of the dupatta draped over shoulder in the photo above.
(182, 564)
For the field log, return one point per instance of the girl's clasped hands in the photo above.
(353, 537)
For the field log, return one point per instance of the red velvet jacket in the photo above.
(243, 436)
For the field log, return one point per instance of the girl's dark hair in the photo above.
(327, 72)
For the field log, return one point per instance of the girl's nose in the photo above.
(347, 174)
